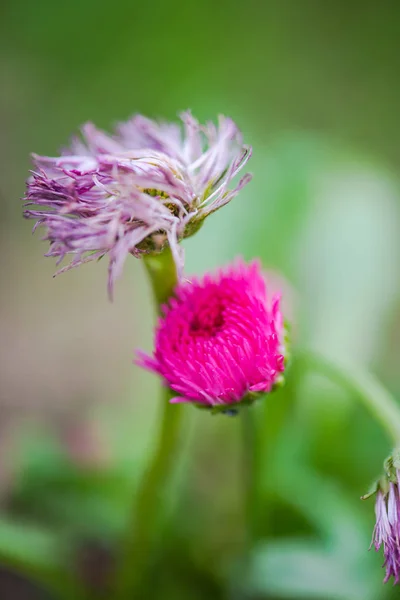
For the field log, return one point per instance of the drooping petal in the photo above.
(387, 530)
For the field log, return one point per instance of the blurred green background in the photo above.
(315, 88)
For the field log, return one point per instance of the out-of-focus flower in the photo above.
(387, 527)
(220, 341)
(148, 186)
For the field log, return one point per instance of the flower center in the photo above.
(208, 319)
(172, 207)
(154, 193)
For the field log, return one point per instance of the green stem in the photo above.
(276, 411)
(149, 503)
(162, 274)
(366, 387)
(250, 468)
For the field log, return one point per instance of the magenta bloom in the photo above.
(220, 340)
(387, 529)
(149, 185)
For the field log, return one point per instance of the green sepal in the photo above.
(235, 407)
(372, 490)
(391, 465)
(193, 226)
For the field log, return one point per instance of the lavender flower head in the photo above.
(387, 528)
(146, 187)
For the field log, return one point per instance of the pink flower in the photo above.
(146, 187)
(387, 528)
(220, 340)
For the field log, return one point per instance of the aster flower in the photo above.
(387, 528)
(220, 341)
(135, 192)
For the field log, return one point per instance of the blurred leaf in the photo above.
(305, 569)
(38, 554)
(54, 491)
(337, 566)
(23, 544)
(335, 517)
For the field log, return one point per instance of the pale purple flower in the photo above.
(220, 341)
(387, 529)
(147, 186)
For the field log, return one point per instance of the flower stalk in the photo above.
(161, 270)
(145, 517)
(142, 530)
(250, 470)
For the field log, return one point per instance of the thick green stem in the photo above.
(366, 387)
(149, 504)
(150, 501)
(161, 270)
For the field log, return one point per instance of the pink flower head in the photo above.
(149, 185)
(387, 527)
(220, 340)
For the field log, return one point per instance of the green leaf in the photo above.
(301, 568)
(40, 555)
(28, 546)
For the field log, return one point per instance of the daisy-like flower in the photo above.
(387, 530)
(220, 341)
(387, 510)
(135, 192)
(387, 527)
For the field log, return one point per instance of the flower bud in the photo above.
(220, 341)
